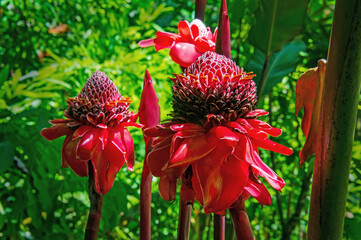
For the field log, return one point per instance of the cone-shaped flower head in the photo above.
(193, 40)
(212, 141)
(213, 91)
(95, 130)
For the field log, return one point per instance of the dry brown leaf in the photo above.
(309, 89)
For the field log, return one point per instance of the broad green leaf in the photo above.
(277, 22)
(6, 155)
(281, 64)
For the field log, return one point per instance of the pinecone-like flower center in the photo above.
(99, 102)
(212, 91)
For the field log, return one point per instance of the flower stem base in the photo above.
(96, 205)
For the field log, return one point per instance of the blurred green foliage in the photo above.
(40, 69)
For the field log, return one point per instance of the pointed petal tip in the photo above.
(146, 43)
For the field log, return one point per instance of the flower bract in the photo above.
(95, 131)
(193, 40)
(212, 141)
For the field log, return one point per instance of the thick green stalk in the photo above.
(337, 123)
(96, 205)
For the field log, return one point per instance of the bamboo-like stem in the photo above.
(96, 205)
(145, 202)
(241, 223)
(337, 123)
(183, 220)
(200, 9)
(219, 223)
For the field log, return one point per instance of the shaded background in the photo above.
(49, 48)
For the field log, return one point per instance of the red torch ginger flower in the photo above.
(193, 40)
(212, 141)
(95, 130)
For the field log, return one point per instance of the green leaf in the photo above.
(114, 202)
(352, 227)
(277, 22)
(280, 65)
(4, 74)
(6, 155)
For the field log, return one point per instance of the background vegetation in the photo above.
(49, 48)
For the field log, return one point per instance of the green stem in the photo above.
(219, 227)
(184, 220)
(337, 123)
(96, 205)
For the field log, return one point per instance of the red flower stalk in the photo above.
(212, 141)
(149, 116)
(193, 40)
(95, 130)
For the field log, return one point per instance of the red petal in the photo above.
(257, 112)
(68, 155)
(185, 31)
(157, 131)
(236, 127)
(167, 188)
(180, 136)
(157, 159)
(58, 121)
(162, 142)
(80, 131)
(106, 164)
(258, 191)
(146, 43)
(87, 144)
(203, 45)
(192, 149)
(184, 53)
(246, 152)
(274, 132)
(103, 136)
(272, 146)
(187, 127)
(220, 184)
(194, 30)
(56, 131)
(129, 145)
(225, 135)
